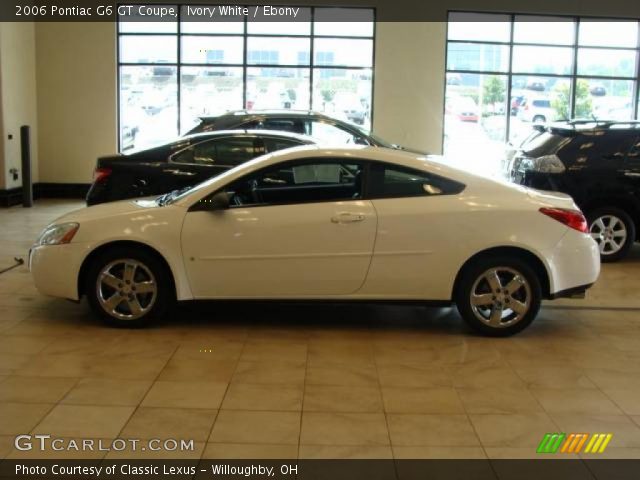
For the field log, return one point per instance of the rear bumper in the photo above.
(575, 292)
(574, 264)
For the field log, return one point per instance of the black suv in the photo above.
(598, 164)
(322, 127)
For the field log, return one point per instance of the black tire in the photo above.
(608, 254)
(150, 273)
(473, 278)
(539, 119)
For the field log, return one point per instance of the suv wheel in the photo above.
(613, 230)
(539, 119)
(498, 296)
(128, 288)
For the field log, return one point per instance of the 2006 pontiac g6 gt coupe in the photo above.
(315, 223)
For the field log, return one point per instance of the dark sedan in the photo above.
(323, 128)
(182, 163)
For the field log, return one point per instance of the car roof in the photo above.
(579, 126)
(259, 133)
(429, 163)
(290, 113)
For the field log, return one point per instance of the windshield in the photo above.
(546, 143)
(176, 195)
(375, 138)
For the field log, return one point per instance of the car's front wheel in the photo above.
(498, 296)
(614, 231)
(128, 288)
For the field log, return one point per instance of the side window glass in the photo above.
(331, 134)
(299, 182)
(390, 181)
(275, 144)
(203, 154)
(234, 151)
(253, 125)
(224, 152)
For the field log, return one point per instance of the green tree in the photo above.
(494, 91)
(562, 101)
(328, 94)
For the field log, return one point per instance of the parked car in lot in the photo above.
(464, 109)
(516, 103)
(182, 163)
(536, 110)
(598, 164)
(322, 127)
(313, 223)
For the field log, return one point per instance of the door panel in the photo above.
(630, 173)
(285, 251)
(416, 255)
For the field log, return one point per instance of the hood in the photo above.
(110, 209)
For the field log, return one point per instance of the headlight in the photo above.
(58, 234)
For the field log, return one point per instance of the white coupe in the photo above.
(326, 223)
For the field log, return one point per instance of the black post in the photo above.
(27, 185)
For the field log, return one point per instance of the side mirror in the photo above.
(220, 201)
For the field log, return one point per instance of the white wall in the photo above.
(18, 94)
(409, 84)
(76, 71)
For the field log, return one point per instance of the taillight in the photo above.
(101, 174)
(543, 164)
(571, 218)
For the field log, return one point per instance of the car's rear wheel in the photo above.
(614, 231)
(128, 288)
(539, 119)
(498, 296)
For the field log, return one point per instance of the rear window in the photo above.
(202, 126)
(546, 143)
(542, 103)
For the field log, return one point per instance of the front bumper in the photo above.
(55, 269)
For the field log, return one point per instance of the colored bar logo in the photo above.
(574, 442)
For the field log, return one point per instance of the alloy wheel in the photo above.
(610, 233)
(126, 289)
(500, 297)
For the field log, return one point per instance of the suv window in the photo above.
(298, 182)
(391, 181)
(542, 103)
(332, 134)
(229, 151)
(293, 125)
(545, 143)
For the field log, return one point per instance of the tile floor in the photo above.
(287, 381)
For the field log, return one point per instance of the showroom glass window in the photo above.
(173, 72)
(508, 72)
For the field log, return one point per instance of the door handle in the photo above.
(175, 171)
(632, 174)
(347, 217)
